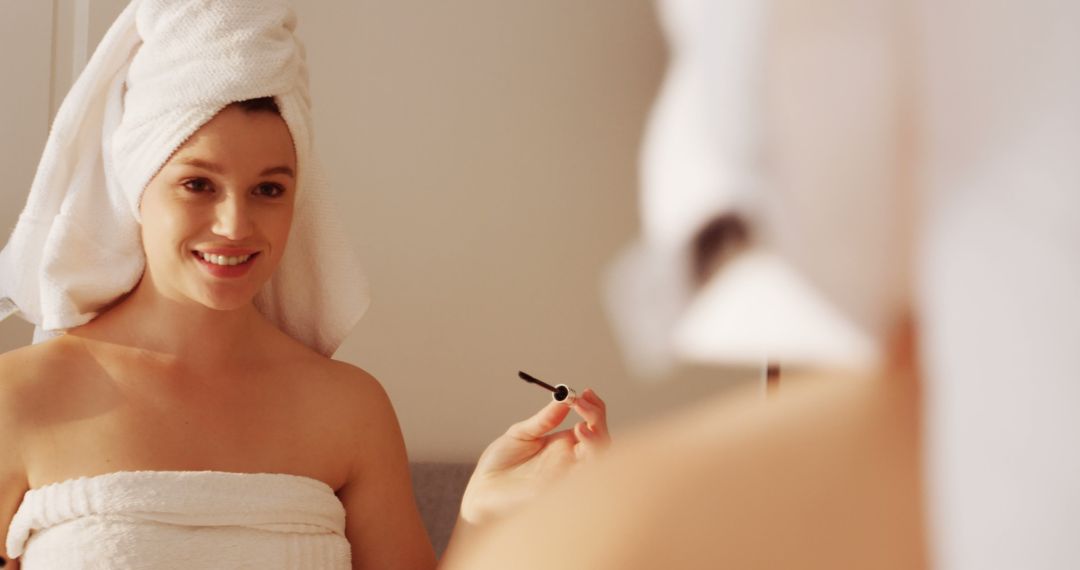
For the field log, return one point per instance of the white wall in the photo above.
(484, 154)
(26, 61)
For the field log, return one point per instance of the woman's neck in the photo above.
(177, 329)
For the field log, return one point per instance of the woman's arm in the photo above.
(382, 522)
(13, 482)
(825, 475)
(12, 487)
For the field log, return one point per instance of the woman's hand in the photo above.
(525, 459)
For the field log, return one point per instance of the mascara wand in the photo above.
(559, 393)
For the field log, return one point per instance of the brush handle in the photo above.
(560, 393)
(533, 380)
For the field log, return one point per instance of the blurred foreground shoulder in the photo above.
(825, 476)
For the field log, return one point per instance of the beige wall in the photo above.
(484, 155)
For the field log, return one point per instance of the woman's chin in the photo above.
(230, 295)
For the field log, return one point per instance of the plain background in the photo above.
(484, 157)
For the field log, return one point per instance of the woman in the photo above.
(913, 165)
(194, 418)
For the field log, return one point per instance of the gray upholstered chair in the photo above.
(438, 488)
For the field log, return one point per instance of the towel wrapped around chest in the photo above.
(181, 519)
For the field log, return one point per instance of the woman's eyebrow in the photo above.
(203, 164)
(217, 169)
(279, 170)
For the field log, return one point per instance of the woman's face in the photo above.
(216, 217)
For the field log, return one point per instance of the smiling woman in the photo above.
(189, 282)
(216, 218)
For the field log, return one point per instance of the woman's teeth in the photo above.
(223, 259)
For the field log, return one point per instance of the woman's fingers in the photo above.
(582, 432)
(589, 442)
(542, 422)
(594, 398)
(591, 434)
(590, 407)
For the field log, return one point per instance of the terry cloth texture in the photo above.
(181, 519)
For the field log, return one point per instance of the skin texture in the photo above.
(212, 193)
(184, 374)
(529, 457)
(824, 475)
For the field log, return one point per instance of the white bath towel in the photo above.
(181, 519)
(164, 69)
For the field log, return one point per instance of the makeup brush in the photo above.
(559, 393)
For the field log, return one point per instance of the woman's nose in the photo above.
(232, 220)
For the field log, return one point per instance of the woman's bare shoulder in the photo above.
(36, 369)
(333, 391)
(331, 385)
(351, 404)
(307, 367)
(355, 387)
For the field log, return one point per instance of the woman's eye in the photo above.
(197, 184)
(270, 190)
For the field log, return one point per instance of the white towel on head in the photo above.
(164, 69)
(702, 158)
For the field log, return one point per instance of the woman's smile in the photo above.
(225, 264)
